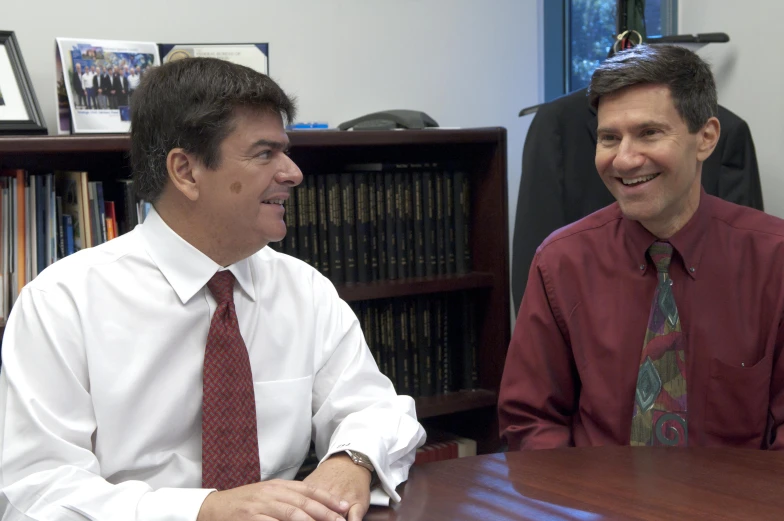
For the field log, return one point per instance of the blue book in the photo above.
(69, 236)
(101, 210)
(41, 207)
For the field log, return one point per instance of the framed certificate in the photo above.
(19, 110)
(252, 55)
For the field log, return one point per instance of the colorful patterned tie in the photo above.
(230, 444)
(660, 399)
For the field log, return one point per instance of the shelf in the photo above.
(414, 286)
(428, 406)
(299, 138)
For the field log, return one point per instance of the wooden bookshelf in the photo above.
(482, 152)
(459, 401)
(414, 286)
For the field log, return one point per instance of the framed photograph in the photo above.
(99, 79)
(19, 109)
(252, 55)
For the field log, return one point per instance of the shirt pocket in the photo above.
(283, 420)
(737, 401)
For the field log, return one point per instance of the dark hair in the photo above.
(190, 104)
(689, 78)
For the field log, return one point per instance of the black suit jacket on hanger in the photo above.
(560, 184)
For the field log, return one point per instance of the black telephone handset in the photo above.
(390, 119)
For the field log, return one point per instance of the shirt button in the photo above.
(642, 267)
(692, 269)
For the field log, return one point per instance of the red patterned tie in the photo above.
(230, 444)
(660, 414)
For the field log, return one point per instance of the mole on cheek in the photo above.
(236, 187)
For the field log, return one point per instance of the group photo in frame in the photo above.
(100, 77)
(19, 109)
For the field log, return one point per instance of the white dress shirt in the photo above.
(101, 383)
(87, 80)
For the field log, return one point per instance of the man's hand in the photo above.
(277, 499)
(342, 477)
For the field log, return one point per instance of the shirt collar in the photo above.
(186, 268)
(689, 241)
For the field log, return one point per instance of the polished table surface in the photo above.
(595, 484)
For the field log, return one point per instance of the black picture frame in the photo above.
(34, 124)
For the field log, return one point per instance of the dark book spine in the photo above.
(468, 326)
(438, 343)
(381, 226)
(425, 347)
(465, 196)
(429, 224)
(449, 223)
(68, 230)
(290, 218)
(400, 226)
(363, 227)
(413, 359)
(334, 230)
(408, 205)
(440, 231)
(304, 250)
(446, 357)
(60, 227)
(389, 216)
(315, 253)
(369, 330)
(101, 211)
(401, 347)
(372, 225)
(349, 227)
(322, 219)
(377, 335)
(41, 216)
(129, 206)
(460, 227)
(419, 230)
(391, 351)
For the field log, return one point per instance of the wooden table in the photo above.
(596, 484)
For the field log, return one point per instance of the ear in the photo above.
(180, 166)
(707, 138)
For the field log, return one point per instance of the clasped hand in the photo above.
(337, 490)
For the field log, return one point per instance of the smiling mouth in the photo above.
(638, 180)
(273, 201)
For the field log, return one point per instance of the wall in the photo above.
(749, 76)
(464, 62)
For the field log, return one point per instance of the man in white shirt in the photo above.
(87, 85)
(133, 82)
(104, 353)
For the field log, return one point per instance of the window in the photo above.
(579, 34)
(592, 25)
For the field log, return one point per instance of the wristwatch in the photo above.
(363, 461)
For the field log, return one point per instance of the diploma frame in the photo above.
(20, 98)
(253, 55)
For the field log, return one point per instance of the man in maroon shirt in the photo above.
(609, 336)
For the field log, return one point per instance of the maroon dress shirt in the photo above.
(572, 365)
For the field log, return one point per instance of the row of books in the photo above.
(425, 345)
(440, 446)
(379, 221)
(444, 447)
(46, 217)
